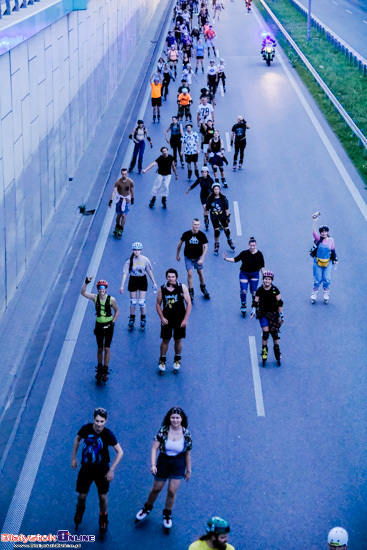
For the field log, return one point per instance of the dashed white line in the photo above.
(237, 218)
(336, 3)
(256, 377)
(221, 89)
(348, 11)
(364, 21)
(228, 142)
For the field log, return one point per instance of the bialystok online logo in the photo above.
(62, 536)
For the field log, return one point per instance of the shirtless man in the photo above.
(124, 187)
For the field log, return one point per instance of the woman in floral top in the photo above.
(174, 462)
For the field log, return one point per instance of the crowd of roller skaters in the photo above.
(190, 49)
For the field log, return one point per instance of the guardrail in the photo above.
(353, 56)
(362, 139)
(8, 6)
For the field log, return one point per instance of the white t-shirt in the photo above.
(212, 70)
(205, 112)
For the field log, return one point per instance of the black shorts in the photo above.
(199, 57)
(170, 467)
(88, 474)
(104, 333)
(219, 222)
(191, 158)
(137, 283)
(156, 102)
(178, 332)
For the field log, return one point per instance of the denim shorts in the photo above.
(192, 264)
(170, 467)
(118, 207)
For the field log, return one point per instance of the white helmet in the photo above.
(204, 169)
(337, 537)
(184, 90)
(137, 246)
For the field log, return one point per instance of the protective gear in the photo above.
(337, 537)
(275, 335)
(218, 526)
(268, 274)
(87, 280)
(140, 121)
(216, 184)
(265, 335)
(280, 303)
(141, 302)
(253, 311)
(184, 90)
(323, 228)
(110, 202)
(204, 169)
(133, 302)
(216, 233)
(188, 124)
(137, 246)
(102, 282)
(281, 316)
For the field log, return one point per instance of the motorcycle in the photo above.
(268, 54)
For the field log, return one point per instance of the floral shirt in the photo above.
(190, 141)
(162, 437)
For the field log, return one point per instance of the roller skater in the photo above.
(238, 138)
(196, 246)
(324, 255)
(267, 305)
(173, 306)
(104, 327)
(216, 157)
(191, 147)
(252, 262)
(217, 205)
(174, 463)
(205, 181)
(165, 163)
(124, 187)
(95, 465)
(216, 536)
(137, 267)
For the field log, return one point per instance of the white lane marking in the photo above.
(221, 89)
(329, 147)
(24, 487)
(217, 51)
(237, 218)
(336, 3)
(256, 377)
(364, 21)
(228, 142)
(349, 11)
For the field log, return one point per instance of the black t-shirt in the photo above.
(239, 130)
(205, 185)
(193, 244)
(95, 447)
(173, 303)
(217, 206)
(268, 301)
(164, 165)
(250, 262)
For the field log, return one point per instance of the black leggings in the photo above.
(165, 85)
(175, 143)
(239, 147)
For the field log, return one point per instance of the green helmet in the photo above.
(218, 526)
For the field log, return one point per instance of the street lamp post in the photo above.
(309, 21)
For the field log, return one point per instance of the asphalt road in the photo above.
(282, 477)
(347, 18)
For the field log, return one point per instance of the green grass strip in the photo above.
(344, 80)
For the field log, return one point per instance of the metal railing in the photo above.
(7, 7)
(354, 57)
(338, 107)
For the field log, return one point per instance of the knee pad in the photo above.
(265, 335)
(275, 335)
(133, 302)
(141, 302)
(216, 233)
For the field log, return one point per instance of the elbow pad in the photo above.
(255, 304)
(280, 303)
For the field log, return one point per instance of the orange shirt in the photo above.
(156, 89)
(184, 99)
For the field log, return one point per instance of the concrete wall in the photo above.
(54, 89)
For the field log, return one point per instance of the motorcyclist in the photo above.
(268, 41)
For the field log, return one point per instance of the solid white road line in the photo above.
(336, 3)
(237, 218)
(330, 148)
(256, 377)
(221, 89)
(22, 493)
(364, 21)
(349, 11)
(228, 142)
